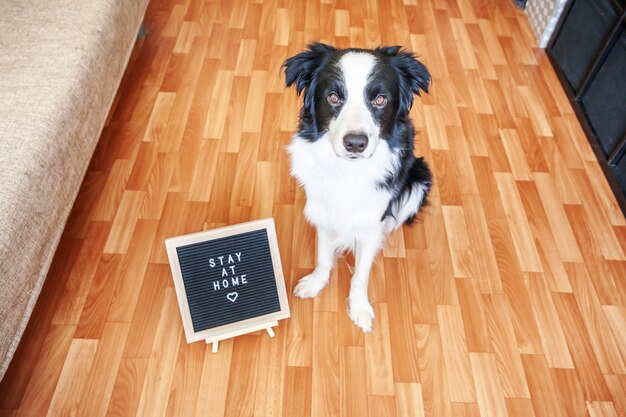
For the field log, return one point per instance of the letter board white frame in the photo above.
(200, 246)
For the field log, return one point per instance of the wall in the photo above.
(543, 16)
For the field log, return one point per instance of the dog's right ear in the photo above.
(299, 69)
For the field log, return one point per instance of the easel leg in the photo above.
(270, 331)
(214, 347)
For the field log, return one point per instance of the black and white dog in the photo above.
(353, 154)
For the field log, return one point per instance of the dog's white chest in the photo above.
(339, 205)
(342, 196)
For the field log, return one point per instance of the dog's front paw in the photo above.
(310, 285)
(361, 313)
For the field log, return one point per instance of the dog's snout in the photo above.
(355, 142)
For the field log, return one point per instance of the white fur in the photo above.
(342, 195)
(355, 116)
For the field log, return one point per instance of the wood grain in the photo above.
(507, 298)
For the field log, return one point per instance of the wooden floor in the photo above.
(507, 299)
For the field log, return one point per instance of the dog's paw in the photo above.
(361, 313)
(310, 285)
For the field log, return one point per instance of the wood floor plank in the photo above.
(300, 330)
(158, 117)
(441, 269)
(170, 225)
(561, 229)
(378, 361)
(99, 387)
(507, 356)
(325, 399)
(93, 314)
(571, 394)
(600, 225)
(423, 302)
(241, 383)
(463, 261)
(158, 186)
(42, 386)
(73, 378)
(456, 355)
(297, 383)
(184, 391)
(465, 409)
(616, 317)
(271, 374)
(605, 343)
(113, 191)
(403, 355)
(604, 196)
(518, 222)
(552, 336)
(488, 278)
(540, 123)
(77, 285)
(488, 389)
(519, 407)
(158, 379)
(202, 183)
(381, 406)
(589, 373)
(545, 398)
(546, 247)
(409, 400)
(595, 263)
(127, 388)
(601, 409)
(353, 394)
(565, 187)
(435, 392)
(124, 222)
(213, 389)
(474, 318)
(134, 268)
(617, 386)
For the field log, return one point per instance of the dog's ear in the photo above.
(299, 69)
(414, 76)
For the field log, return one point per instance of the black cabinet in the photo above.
(588, 51)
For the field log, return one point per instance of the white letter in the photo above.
(238, 255)
(235, 281)
(243, 279)
(221, 260)
(230, 259)
(212, 263)
(224, 273)
(225, 283)
(216, 285)
(232, 268)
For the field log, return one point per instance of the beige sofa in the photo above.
(61, 63)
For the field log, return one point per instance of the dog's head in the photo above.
(356, 96)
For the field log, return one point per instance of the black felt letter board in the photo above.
(229, 279)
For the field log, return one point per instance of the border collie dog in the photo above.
(353, 155)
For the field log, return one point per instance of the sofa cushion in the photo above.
(60, 65)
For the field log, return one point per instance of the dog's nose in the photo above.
(355, 143)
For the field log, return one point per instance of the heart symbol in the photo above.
(232, 296)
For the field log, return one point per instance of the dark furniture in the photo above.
(588, 52)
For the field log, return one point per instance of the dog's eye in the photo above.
(333, 99)
(380, 101)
